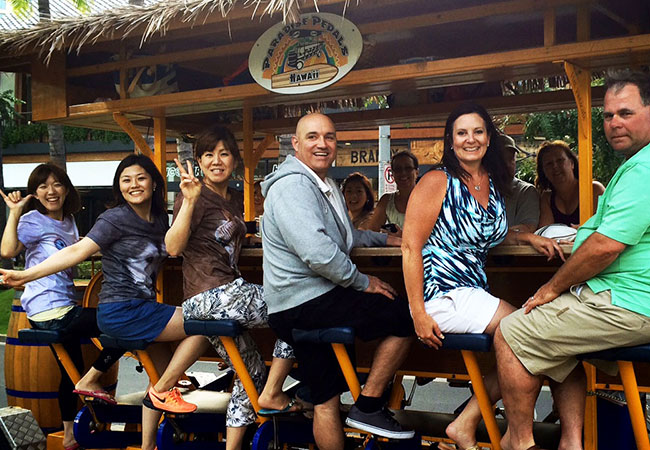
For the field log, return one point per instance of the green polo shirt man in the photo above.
(600, 297)
(620, 216)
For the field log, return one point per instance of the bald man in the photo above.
(310, 282)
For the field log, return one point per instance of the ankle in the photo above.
(369, 404)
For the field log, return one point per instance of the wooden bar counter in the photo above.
(514, 274)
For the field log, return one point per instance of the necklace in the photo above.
(477, 187)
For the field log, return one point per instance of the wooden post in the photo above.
(160, 159)
(123, 72)
(134, 134)
(583, 18)
(580, 80)
(49, 95)
(549, 27)
(160, 145)
(249, 164)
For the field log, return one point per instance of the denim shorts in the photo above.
(134, 319)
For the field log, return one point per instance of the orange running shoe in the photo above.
(170, 401)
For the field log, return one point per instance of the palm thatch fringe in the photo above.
(146, 21)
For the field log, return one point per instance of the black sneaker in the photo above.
(380, 423)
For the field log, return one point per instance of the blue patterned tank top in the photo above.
(455, 253)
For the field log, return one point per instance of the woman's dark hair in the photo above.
(493, 159)
(365, 182)
(208, 139)
(158, 203)
(405, 153)
(541, 181)
(39, 175)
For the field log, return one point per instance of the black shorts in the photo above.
(371, 316)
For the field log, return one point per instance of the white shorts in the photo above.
(463, 310)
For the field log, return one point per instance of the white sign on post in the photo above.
(386, 181)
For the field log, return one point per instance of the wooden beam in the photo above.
(631, 28)
(160, 160)
(250, 162)
(583, 19)
(19, 83)
(49, 99)
(549, 27)
(416, 116)
(581, 86)
(134, 134)
(383, 79)
(263, 145)
(165, 58)
(463, 14)
(400, 24)
(160, 145)
(123, 73)
(395, 133)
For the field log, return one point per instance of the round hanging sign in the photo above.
(305, 56)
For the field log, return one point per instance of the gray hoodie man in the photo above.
(306, 244)
(310, 282)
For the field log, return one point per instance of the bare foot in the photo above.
(507, 445)
(280, 401)
(85, 386)
(459, 433)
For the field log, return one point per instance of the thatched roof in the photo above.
(59, 9)
(72, 33)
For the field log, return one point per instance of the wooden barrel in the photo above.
(32, 375)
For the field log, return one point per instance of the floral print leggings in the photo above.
(243, 302)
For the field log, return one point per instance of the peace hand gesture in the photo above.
(190, 185)
(15, 201)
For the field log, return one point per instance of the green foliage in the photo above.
(84, 269)
(18, 134)
(108, 136)
(22, 8)
(7, 105)
(564, 125)
(37, 132)
(527, 169)
(6, 297)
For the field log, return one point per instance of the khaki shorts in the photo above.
(579, 321)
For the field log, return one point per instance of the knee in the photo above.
(330, 408)
(500, 344)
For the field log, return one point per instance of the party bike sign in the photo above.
(305, 56)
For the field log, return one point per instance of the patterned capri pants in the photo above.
(243, 302)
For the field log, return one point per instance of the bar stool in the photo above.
(53, 338)
(191, 431)
(136, 346)
(92, 425)
(269, 431)
(338, 337)
(468, 344)
(625, 356)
